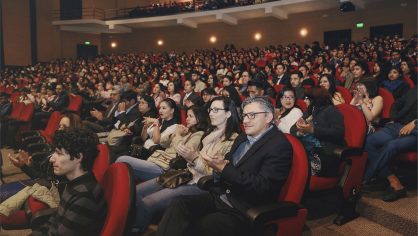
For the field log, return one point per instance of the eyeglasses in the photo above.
(252, 115)
(288, 98)
(215, 110)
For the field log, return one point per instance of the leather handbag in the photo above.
(174, 178)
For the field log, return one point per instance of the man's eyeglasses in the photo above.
(215, 110)
(252, 115)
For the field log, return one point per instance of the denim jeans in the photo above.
(143, 170)
(383, 145)
(153, 200)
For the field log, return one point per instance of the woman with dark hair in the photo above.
(231, 92)
(378, 72)
(193, 100)
(173, 92)
(153, 198)
(158, 94)
(395, 84)
(321, 130)
(158, 130)
(408, 71)
(212, 82)
(189, 136)
(367, 99)
(328, 82)
(287, 113)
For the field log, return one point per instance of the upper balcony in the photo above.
(97, 21)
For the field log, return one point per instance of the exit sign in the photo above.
(360, 25)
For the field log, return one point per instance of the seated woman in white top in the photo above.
(159, 161)
(287, 113)
(155, 131)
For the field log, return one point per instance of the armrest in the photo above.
(264, 213)
(206, 182)
(37, 147)
(345, 152)
(41, 217)
(29, 133)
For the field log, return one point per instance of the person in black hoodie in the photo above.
(321, 130)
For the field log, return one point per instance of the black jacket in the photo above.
(260, 174)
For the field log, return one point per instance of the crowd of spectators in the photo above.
(173, 7)
(139, 97)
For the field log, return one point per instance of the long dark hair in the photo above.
(172, 104)
(202, 118)
(233, 122)
(233, 94)
(332, 86)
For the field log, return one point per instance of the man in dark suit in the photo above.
(282, 75)
(252, 173)
(100, 122)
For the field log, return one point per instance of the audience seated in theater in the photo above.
(251, 173)
(378, 74)
(188, 136)
(82, 208)
(395, 138)
(99, 122)
(37, 169)
(328, 82)
(296, 83)
(321, 130)
(173, 92)
(367, 99)
(395, 84)
(59, 103)
(287, 113)
(153, 198)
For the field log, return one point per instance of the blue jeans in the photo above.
(153, 200)
(383, 145)
(143, 170)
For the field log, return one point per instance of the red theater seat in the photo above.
(351, 170)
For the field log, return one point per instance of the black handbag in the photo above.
(174, 178)
(178, 163)
(138, 151)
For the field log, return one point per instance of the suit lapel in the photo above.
(257, 145)
(241, 138)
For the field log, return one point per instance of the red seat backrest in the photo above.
(388, 100)
(294, 186)
(14, 97)
(119, 190)
(27, 112)
(102, 162)
(302, 105)
(183, 116)
(17, 108)
(354, 125)
(345, 93)
(9, 90)
(278, 87)
(53, 123)
(75, 102)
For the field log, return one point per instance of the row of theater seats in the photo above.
(287, 214)
(119, 189)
